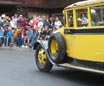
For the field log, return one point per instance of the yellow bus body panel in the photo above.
(86, 47)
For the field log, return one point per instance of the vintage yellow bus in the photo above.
(80, 43)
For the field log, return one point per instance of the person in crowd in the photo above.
(51, 22)
(53, 29)
(29, 35)
(24, 23)
(5, 37)
(57, 23)
(23, 36)
(13, 22)
(32, 20)
(1, 23)
(40, 24)
(15, 34)
(9, 35)
(34, 39)
(20, 20)
(6, 22)
(47, 23)
(45, 33)
(1, 35)
(19, 38)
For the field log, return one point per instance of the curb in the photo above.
(15, 48)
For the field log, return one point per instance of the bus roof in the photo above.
(84, 3)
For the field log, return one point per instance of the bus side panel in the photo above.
(86, 47)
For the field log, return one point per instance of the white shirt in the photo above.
(58, 24)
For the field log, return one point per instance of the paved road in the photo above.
(17, 68)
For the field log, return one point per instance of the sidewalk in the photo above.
(15, 48)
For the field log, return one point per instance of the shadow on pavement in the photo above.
(82, 77)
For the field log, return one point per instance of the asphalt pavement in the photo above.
(17, 68)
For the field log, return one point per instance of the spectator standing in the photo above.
(9, 35)
(23, 37)
(40, 24)
(19, 20)
(57, 23)
(19, 38)
(5, 37)
(29, 35)
(51, 21)
(1, 34)
(13, 22)
(6, 22)
(34, 39)
(47, 23)
(15, 34)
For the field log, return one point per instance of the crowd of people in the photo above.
(23, 32)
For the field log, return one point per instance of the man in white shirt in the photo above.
(57, 23)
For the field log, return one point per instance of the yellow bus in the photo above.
(79, 44)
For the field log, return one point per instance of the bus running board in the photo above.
(81, 68)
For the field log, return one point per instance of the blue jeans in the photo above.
(9, 41)
(1, 40)
(5, 41)
(19, 41)
(33, 42)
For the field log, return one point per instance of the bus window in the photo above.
(82, 18)
(70, 18)
(97, 16)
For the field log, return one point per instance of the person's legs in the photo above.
(17, 41)
(32, 43)
(5, 41)
(28, 40)
(0, 41)
(9, 41)
(22, 40)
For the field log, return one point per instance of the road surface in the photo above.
(17, 68)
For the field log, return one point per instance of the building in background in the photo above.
(31, 7)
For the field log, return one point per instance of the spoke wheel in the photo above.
(41, 59)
